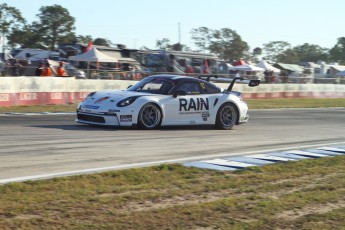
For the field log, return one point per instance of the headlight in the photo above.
(127, 101)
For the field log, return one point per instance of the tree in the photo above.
(254, 56)
(10, 20)
(227, 44)
(202, 37)
(275, 48)
(337, 53)
(311, 53)
(102, 42)
(84, 39)
(177, 47)
(56, 25)
(27, 37)
(288, 56)
(163, 43)
(257, 51)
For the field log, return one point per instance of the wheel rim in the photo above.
(150, 116)
(228, 116)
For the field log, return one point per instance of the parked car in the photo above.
(73, 71)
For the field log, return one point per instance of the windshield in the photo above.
(152, 85)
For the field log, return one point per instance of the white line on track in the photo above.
(144, 164)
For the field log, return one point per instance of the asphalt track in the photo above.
(44, 146)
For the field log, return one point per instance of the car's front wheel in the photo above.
(227, 116)
(150, 116)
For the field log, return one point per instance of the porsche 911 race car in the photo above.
(166, 100)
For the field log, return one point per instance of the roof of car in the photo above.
(177, 78)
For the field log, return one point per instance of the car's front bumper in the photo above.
(243, 119)
(123, 117)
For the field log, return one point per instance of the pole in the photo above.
(179, 33)
(2, 39)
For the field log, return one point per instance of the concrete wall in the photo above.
(53, 90)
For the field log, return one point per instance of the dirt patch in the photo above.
(309, 210)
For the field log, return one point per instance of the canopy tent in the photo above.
(289, 67)
(265, 65)
(93, 55)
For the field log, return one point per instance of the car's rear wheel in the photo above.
(227, 116)
(150, 116)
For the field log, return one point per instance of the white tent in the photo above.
(93, 55)
(265, 65)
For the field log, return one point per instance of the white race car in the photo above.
(166, 100)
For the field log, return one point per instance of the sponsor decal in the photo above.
(56, 96)
(101, 99)
(28, 96)
(113, 110)
(126, 118)
(90, 107)
(205, 115)
(4, 97)
(197, 104)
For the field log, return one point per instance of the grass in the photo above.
(252, 103)
(39, 108)
(307, 194)
(295, 103)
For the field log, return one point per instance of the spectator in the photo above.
(284, 76)
(39, 69)
(61, 70)
(16, 68)
(204, 67)
(268, 76)
(46, 72)
(189, 69)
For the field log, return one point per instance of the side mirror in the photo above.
(253, 83)
(179, 93)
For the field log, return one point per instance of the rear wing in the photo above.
(251, 83)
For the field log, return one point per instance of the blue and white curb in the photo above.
(235, 163)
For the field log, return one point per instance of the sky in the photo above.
(138, 23)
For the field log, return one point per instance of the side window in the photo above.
(190, 88)
(209, 88)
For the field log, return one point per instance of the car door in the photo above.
(189, 109)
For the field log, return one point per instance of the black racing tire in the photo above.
(150, 116)
(227, 116)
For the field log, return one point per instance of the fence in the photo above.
(138, 74)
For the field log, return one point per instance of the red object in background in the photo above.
(239, 62)
(205, 70)
(88, 47)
